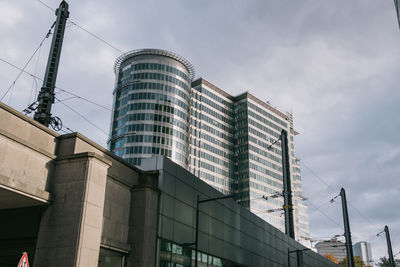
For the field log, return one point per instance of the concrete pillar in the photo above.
(143, 223)
(70, 230)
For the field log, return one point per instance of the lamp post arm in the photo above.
(215, 198)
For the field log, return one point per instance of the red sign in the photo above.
(23, 262)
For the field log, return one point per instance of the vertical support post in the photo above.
(288, 257)
(287, 186)
(196, 242)
(299, 258)
(347, 233)
(46, 94)
(389, 245)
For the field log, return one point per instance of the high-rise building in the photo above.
(363, 250)
(231, 142)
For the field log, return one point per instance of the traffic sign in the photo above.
(23, 262)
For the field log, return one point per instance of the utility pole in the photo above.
(389, 245)
(46, 94)
(347, 233)
(287, 186)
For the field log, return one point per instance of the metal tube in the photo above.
(46, 94)
(287, 186)
(196, 242)
(389, 245)
(347, 233)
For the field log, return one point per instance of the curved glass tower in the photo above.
(151, 106)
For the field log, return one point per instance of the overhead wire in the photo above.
(29, 60)
(335, 191)
(327, 216)
(83, 117)
(61, 89)
(34, 81)
(86, 30)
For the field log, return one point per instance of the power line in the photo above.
(334, 190)
(320, 206)
(319, 178)
(95, 36)
(86, 30)
(49, 7)
(63, 90)
(34, 82)
(26, 64)
(323, 213)
(83, 117)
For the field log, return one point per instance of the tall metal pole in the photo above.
(347, 233)
(299, 254)
(46, 94)
(287, 186)
(389, 245)
(196, 241)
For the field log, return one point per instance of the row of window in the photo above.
(216, 123)
(263, 128)
(266, 114)
(222, 181)
(158, 97)
(264, 162)
(151, 86)
(214, 169)
(216, 115)
(265, 171)
(147, 150)
(156, 66)
(155, 128)
(216, 141)
(265, 145)
(154, 76)
(173, 255)
(265, 121)
(154, 117)
(216, 160)
(264, 153)
(213, 96)
(159, 107)
(214, 150)
(216, 106)
(216, 132)
(139, 138)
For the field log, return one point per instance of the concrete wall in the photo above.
(227, 230)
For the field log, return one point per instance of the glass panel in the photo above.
(109, 258)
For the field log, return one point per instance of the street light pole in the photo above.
(196, 242)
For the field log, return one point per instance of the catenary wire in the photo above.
(26, 64)
(334, 190)
(63, 90)
(83, 117)
(34, 81)
(86, 30)
(327, 216)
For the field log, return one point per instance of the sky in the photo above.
(333, 64)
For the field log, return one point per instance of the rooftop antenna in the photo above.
(46, 94)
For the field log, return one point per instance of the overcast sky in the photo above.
(334, 64)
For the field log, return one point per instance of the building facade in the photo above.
(363, 250)
(335, 247)
(227, 141)
(67, 201)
